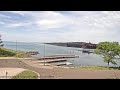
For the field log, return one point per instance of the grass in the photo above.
(99, 68)
(4, 52)
(7, 52)
(26, 75)
(22, 54)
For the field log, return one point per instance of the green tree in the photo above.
(1, 42)
(109, 51)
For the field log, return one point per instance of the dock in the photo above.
(56, 62)
(52, 61)
(58, 57)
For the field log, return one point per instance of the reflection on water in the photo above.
(84, 58)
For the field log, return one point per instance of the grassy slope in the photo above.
(26, 75)
(7, 52)
(11, 53)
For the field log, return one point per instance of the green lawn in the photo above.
(26, 75)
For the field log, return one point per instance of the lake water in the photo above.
(84, 58)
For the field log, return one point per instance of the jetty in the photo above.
(58, 57)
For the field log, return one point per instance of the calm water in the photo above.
(84, 58)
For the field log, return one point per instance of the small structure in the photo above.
(33, 52)
(89, 46)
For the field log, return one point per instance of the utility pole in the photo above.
(16, 48)
(44, 54)
(16, 45)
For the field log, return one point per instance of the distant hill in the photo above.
(76, 44)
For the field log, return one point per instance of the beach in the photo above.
(57, 72)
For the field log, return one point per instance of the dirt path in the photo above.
(51, 72)
(10, 72)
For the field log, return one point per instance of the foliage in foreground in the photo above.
(26, 75)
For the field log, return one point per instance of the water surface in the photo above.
(46, 49)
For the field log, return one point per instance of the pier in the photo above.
(58, 57)
(52, 61)
(57, 60)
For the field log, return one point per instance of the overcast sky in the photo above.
(60, 26)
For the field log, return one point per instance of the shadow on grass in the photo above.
(115, 68)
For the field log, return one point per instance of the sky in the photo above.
(60, 26)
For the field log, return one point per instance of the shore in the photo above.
(57, 72)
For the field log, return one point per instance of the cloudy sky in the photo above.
(60, 26)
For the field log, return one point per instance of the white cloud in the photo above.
(17, 12)
(92, 26)
(17, 25)
(4, 16)
(2, 22)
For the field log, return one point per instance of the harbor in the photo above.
(76, 56)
